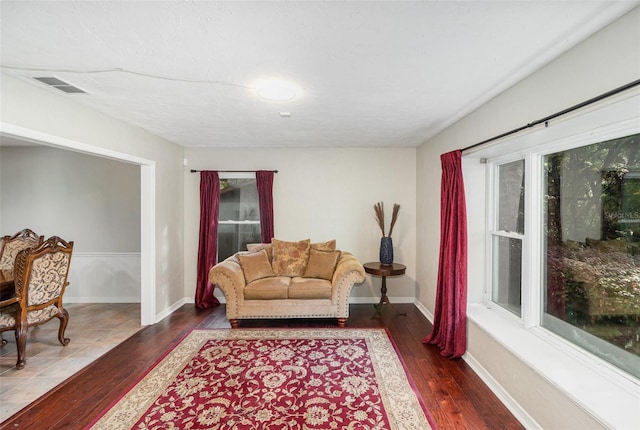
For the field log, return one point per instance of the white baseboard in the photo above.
(423, 309)
(514, 407)
(168, 311)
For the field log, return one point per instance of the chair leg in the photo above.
(21, 342)
(64, 320)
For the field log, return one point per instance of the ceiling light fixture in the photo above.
(276, 90)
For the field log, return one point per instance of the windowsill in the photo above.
(609, 396)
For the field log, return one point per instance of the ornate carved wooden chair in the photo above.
(11, 245)
(9, 248)
(40, 280)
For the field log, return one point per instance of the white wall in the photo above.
(43, 111)
(607, 60)
(93, 201)
(324, 194)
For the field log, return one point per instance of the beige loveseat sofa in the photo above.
(288, 280)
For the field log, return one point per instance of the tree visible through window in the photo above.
(592, 249)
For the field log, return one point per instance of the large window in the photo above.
(239, 219)
(586, 246)
(592, 248)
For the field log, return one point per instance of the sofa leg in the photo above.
(342, 322)
(234, 323)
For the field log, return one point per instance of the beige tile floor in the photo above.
(93, 329)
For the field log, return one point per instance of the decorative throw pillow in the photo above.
(255, 247)
(322, 264)
(290, 258)
(329, 245)
(255, 266)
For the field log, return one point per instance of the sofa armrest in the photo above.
(348, 263)
(348, 272)
(229, 277)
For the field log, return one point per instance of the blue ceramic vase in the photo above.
(386, 250)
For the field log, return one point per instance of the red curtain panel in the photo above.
(208, 244)
(450, 315)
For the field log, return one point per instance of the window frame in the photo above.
(492, 231)
(532, 269)
(555, 364)
(532, 148)
(562, 326)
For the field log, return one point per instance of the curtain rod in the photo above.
(232, 171)
(557, 114)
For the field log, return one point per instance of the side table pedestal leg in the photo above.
(383, 298)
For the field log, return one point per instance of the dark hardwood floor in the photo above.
(453, 393)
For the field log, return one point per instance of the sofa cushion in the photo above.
(290, 258)
(321, 264)
(309, 288)
(329, 245)
(257, 247)
(268, 289)
(255, 266)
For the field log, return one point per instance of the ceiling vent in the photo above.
(61, 85)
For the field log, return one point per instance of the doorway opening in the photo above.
(147, 204)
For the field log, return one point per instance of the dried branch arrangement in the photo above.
(394, 217)
(379, 211)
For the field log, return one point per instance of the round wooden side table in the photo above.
(383, 270)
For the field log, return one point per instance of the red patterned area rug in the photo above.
(264, 379)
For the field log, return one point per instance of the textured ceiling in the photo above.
(383, 73)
